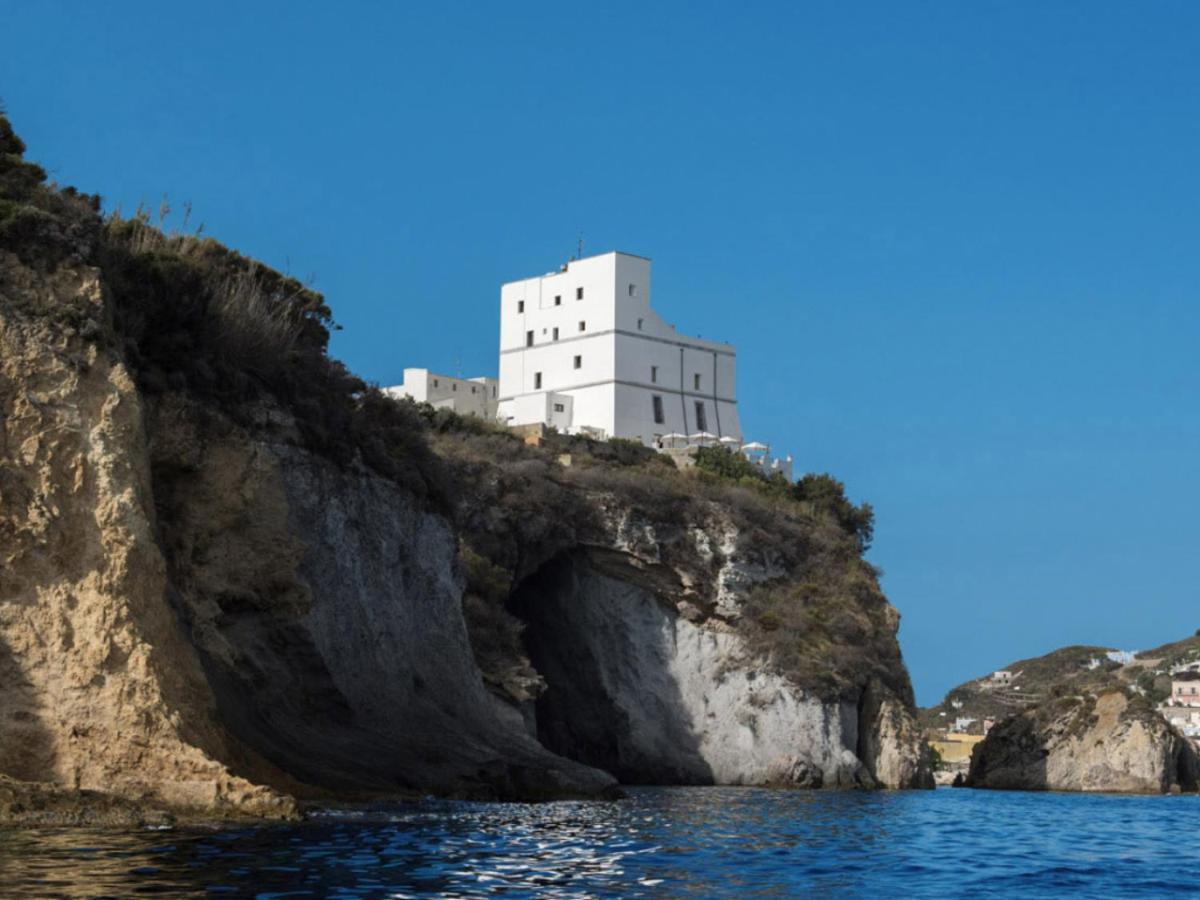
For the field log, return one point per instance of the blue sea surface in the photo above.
(704, 842)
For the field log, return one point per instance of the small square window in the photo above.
(579, 362)
(537, 381)
(558, 299)
(520, 306)
(560, 407)
(583, 326)
(579, 293)
(654, 374)
(529, 339)
(555, 334)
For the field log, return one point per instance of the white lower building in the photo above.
(582, 350)
(467, 396)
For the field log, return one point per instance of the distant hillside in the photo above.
(1173, 655)
(1074, 669)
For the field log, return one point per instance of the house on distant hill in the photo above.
(1185, 693)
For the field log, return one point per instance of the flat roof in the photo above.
(608, 253)
(569, 262)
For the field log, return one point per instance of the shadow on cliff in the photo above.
(1011, 758)
(1187, 765)
(26, 746)
(604, 648)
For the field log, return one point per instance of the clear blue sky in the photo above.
(955, 244)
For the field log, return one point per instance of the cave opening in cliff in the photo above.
(602, 646)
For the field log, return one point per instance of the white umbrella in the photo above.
(702, 436)
(672, 439)
(755, 447)
(729, 440)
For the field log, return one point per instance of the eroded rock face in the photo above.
(101, 689)
(326, 605)
(196, 616)
(891, 744)
(208, 615)
(1109, 743)
(642, 692)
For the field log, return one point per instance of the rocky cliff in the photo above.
(232, 575)
(1113, 741)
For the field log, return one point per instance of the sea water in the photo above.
(703, 842)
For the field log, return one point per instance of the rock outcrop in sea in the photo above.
(234, 578)
(1113, 741)
(1080, 718)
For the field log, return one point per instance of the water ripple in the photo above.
(662, 841)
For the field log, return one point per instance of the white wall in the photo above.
(549, 408)
(468, 396)
(623, 339)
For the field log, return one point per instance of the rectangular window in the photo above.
(583, 326)
(701, 422)
(579, 362)
(658, 410)
(537, 381)
(520, 306)
(529, 339)
(556, 334)
(559, 407)
(454, 387)
(654, 374)
(696, 384)
(578, 293)
(472, 390)
(558, 299)
(639, 324)
(633, 290)
(435, 382)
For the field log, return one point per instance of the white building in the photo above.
(582, 350)
(468, 396)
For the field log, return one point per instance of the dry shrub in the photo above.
(253, 331)
(827, 627)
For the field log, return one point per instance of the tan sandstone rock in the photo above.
(1107, 742)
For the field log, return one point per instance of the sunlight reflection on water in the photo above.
(698, 841)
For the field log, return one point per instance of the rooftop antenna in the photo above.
(579, 247)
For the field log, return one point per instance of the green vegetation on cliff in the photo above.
(820, 493)
(188, 315)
